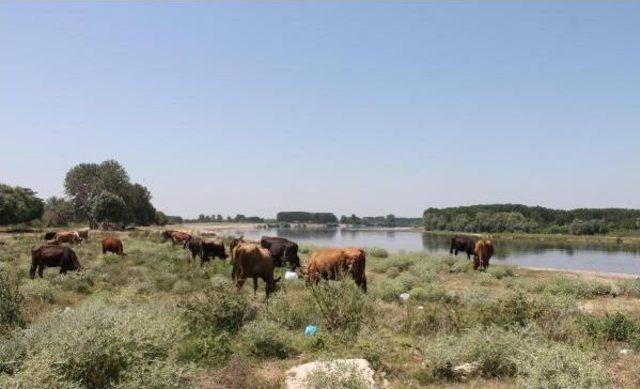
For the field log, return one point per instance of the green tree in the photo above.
(57, 212)
(108, 207)
(19, 205)
(161, 219)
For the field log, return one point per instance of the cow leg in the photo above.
(239, 284)
(40, 270)
(32, 271)
(255, 285)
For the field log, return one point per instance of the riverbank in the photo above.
(610, 239)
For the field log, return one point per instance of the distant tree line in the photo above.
(522, 218)
(306, 217)
(381, 221)
(100, 194)
(239, 218)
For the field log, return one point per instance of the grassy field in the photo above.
(153, 320)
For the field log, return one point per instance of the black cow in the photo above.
(462, 243)
(212, 248)
(194, 244)
(53, 256)
(282, 250)
(49, 235)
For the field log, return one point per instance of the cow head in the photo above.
(291, 256)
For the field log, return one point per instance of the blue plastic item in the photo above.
(310, 330)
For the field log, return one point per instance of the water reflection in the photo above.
(614, 257)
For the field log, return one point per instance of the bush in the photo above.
(494, 349)
(501, 272)
(342, 305)
(378, 252)
(266, 339)
(218, 308)
(613, 326)
(572, 287)
(337, 375)
(95, 345)
(291, 314)
(10, 302)
(558, 366)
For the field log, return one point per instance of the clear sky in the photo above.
(371, 108)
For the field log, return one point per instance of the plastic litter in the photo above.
(404, 296)
(290, 275)
(310, 330)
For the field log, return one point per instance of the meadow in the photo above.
(154, 319)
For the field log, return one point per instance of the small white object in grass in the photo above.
(404, 296)
(67, 309)
(290, 275)
(625, 351)
(420, 307)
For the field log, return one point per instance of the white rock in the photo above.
(625, 351)
(404, 296)
(298, 376)
(420, 307)
(67, 309)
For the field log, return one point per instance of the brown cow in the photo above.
(67, 237)
(252, 261)
(177, 237)
(332, 263)
(53, 256)
(113, 245)
(84, 234)
(482, 253)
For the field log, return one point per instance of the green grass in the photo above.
(155, 319)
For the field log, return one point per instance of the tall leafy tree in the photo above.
(19, 205)
(108, 207)
(58, 212)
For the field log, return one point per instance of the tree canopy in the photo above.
(19, 205)
(87, 183)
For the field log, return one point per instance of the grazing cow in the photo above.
(53, 256)
(252, 261)
(332, 263)
(49, 235)
(84, 234)
(67, 237)
(194, 244)
(482, 253)
(113, 245)
(211, 248)
(177, 237)
(462, 243)
(282, 250)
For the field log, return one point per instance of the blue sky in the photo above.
(370, 108)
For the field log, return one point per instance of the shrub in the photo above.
(10, 302)
(494, 349)
(572, 287)
(95, 345)
(612, 326)
(337, 375)
(630, 288)
(558, 366)
(342, 305)
(378, 252)
(218, 308)
(210, 349)
(501, 272)
(266, 339)
(291, 314)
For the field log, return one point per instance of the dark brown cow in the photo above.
(49, 235)
(462, 243)
(482, 253)
(332, 263)
(53, 256)
(212, 248)
(282, 250)
(113, 245)
(194, 244)
(252, 261)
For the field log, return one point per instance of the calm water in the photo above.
(619, 258)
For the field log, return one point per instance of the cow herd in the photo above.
(481, 249)
(249, 259)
